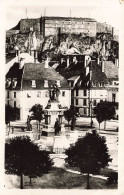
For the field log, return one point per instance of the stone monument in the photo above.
(54, 114)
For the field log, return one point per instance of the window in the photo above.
(14, 94)
(93, 84)
(85, 102)
(58, 83)
(28, 95)
(8, 81)
(85, 111)
(39, 94)
(33, 83)
(46, 94)
(45, 83)
(94, 102)
(76, 101)
(113, 97)
(76, 92)
(7, 94)
(14, 82)
(63, 93)
(100, 84)
(115, 82)
(14, 104)
(85, 92)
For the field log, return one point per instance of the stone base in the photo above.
(73, 136)
(60, 144)
(48, 130)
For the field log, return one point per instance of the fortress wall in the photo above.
(26, 24)
(76, 26)
(49, 26)
(103, 27)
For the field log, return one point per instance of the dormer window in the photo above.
(8, 82)
(115, 83)
(45, 83)
(93, 84)
(58, 83)
(72, 83)
(39, 94)
(14, 82)
(33, 83)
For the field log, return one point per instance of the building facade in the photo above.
(29, 85)
(99, 83)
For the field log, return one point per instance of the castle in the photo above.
(46, 26)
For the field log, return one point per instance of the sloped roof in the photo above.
(38, 72)
(9, 57)
(97, 74)
(69, 18)
(73, 78)
(111, 70)
(15, 72)
(72, 70)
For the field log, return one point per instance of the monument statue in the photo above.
(54, 92)
(29, 126)
(57, 127)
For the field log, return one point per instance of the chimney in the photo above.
(87, 70)
(103, 66)
(87, 60)
(98, 60)
(75, 60)
(46, 62)
(58, 83)
(62, 60)
(18, 55)
(32, 53)
(35, 56)
(90, 75)
(116, 62)
(21, 63)
(67, 61)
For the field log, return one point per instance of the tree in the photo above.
(22, 157)
(37, 113)
(11, 114)
(104, 111)
(70, 115)
(89, 154)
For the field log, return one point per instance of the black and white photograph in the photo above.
(62, 117)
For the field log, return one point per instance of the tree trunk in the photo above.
(21, 181)
(68, 125)
(30, 181)
(9, 126)
(105, 124)
(99, 127)
(88, 185)
(37, 126)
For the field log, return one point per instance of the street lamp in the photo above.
(90, 95)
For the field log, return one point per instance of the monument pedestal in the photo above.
(51, 114)
(73, 136)
(54, 114)
(60, 144)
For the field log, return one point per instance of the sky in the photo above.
(108, 14)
